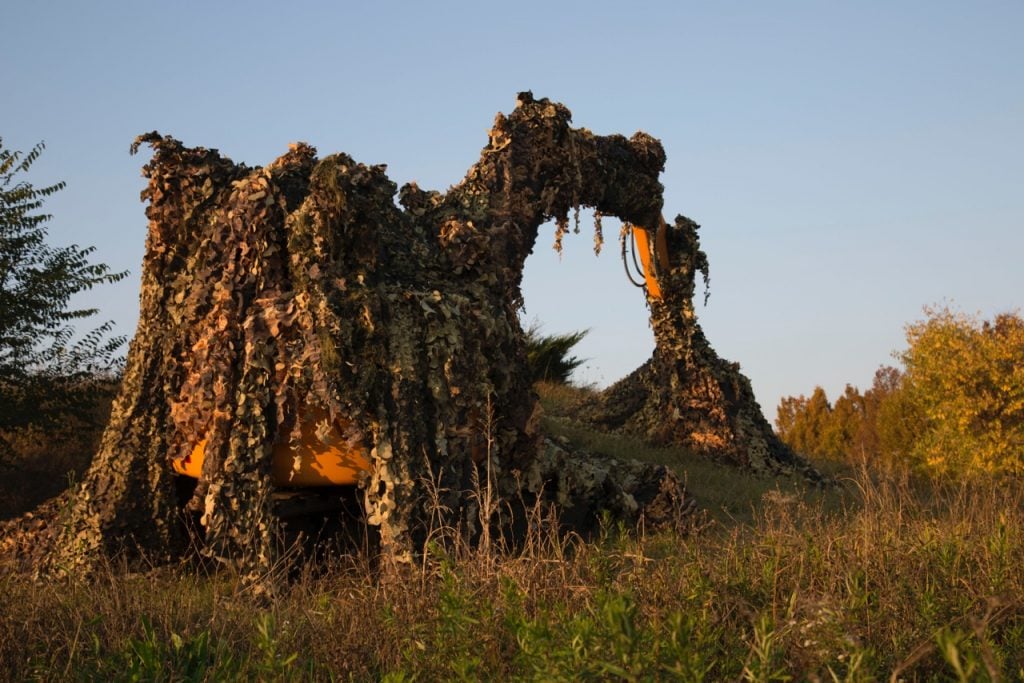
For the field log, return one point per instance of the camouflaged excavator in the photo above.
(299, 331)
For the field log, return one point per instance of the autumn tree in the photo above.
(964, 384)
(805, 424)
(891, 422)
(859, 426)
(957, 407)
(840, 431)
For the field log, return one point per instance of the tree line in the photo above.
(955, 406)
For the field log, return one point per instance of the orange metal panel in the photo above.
(331, 463)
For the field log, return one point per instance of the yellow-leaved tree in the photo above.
(964, 380)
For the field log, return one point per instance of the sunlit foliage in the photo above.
(957, 406)
(965, 379)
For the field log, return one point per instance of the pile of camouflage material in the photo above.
(685, 395)
(301, 287)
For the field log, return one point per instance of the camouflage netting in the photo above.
(685, 394)
(302, 285)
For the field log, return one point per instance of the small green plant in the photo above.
(765, 661)
(954, 646)
(159, 657)
(458, 628)
(611, 640)
(272, 665)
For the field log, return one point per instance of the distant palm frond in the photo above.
(548, 354)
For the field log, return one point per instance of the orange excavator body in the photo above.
(333, 461)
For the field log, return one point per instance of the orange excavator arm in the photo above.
(652, 245)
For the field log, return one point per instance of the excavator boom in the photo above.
(653, 249)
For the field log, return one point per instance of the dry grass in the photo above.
(915, 578)
(888, 576)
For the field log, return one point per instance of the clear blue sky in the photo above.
(849, 162)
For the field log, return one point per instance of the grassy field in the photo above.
(881, 576)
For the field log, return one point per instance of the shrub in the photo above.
(45, 375)
(548, 355)
(965, 381)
